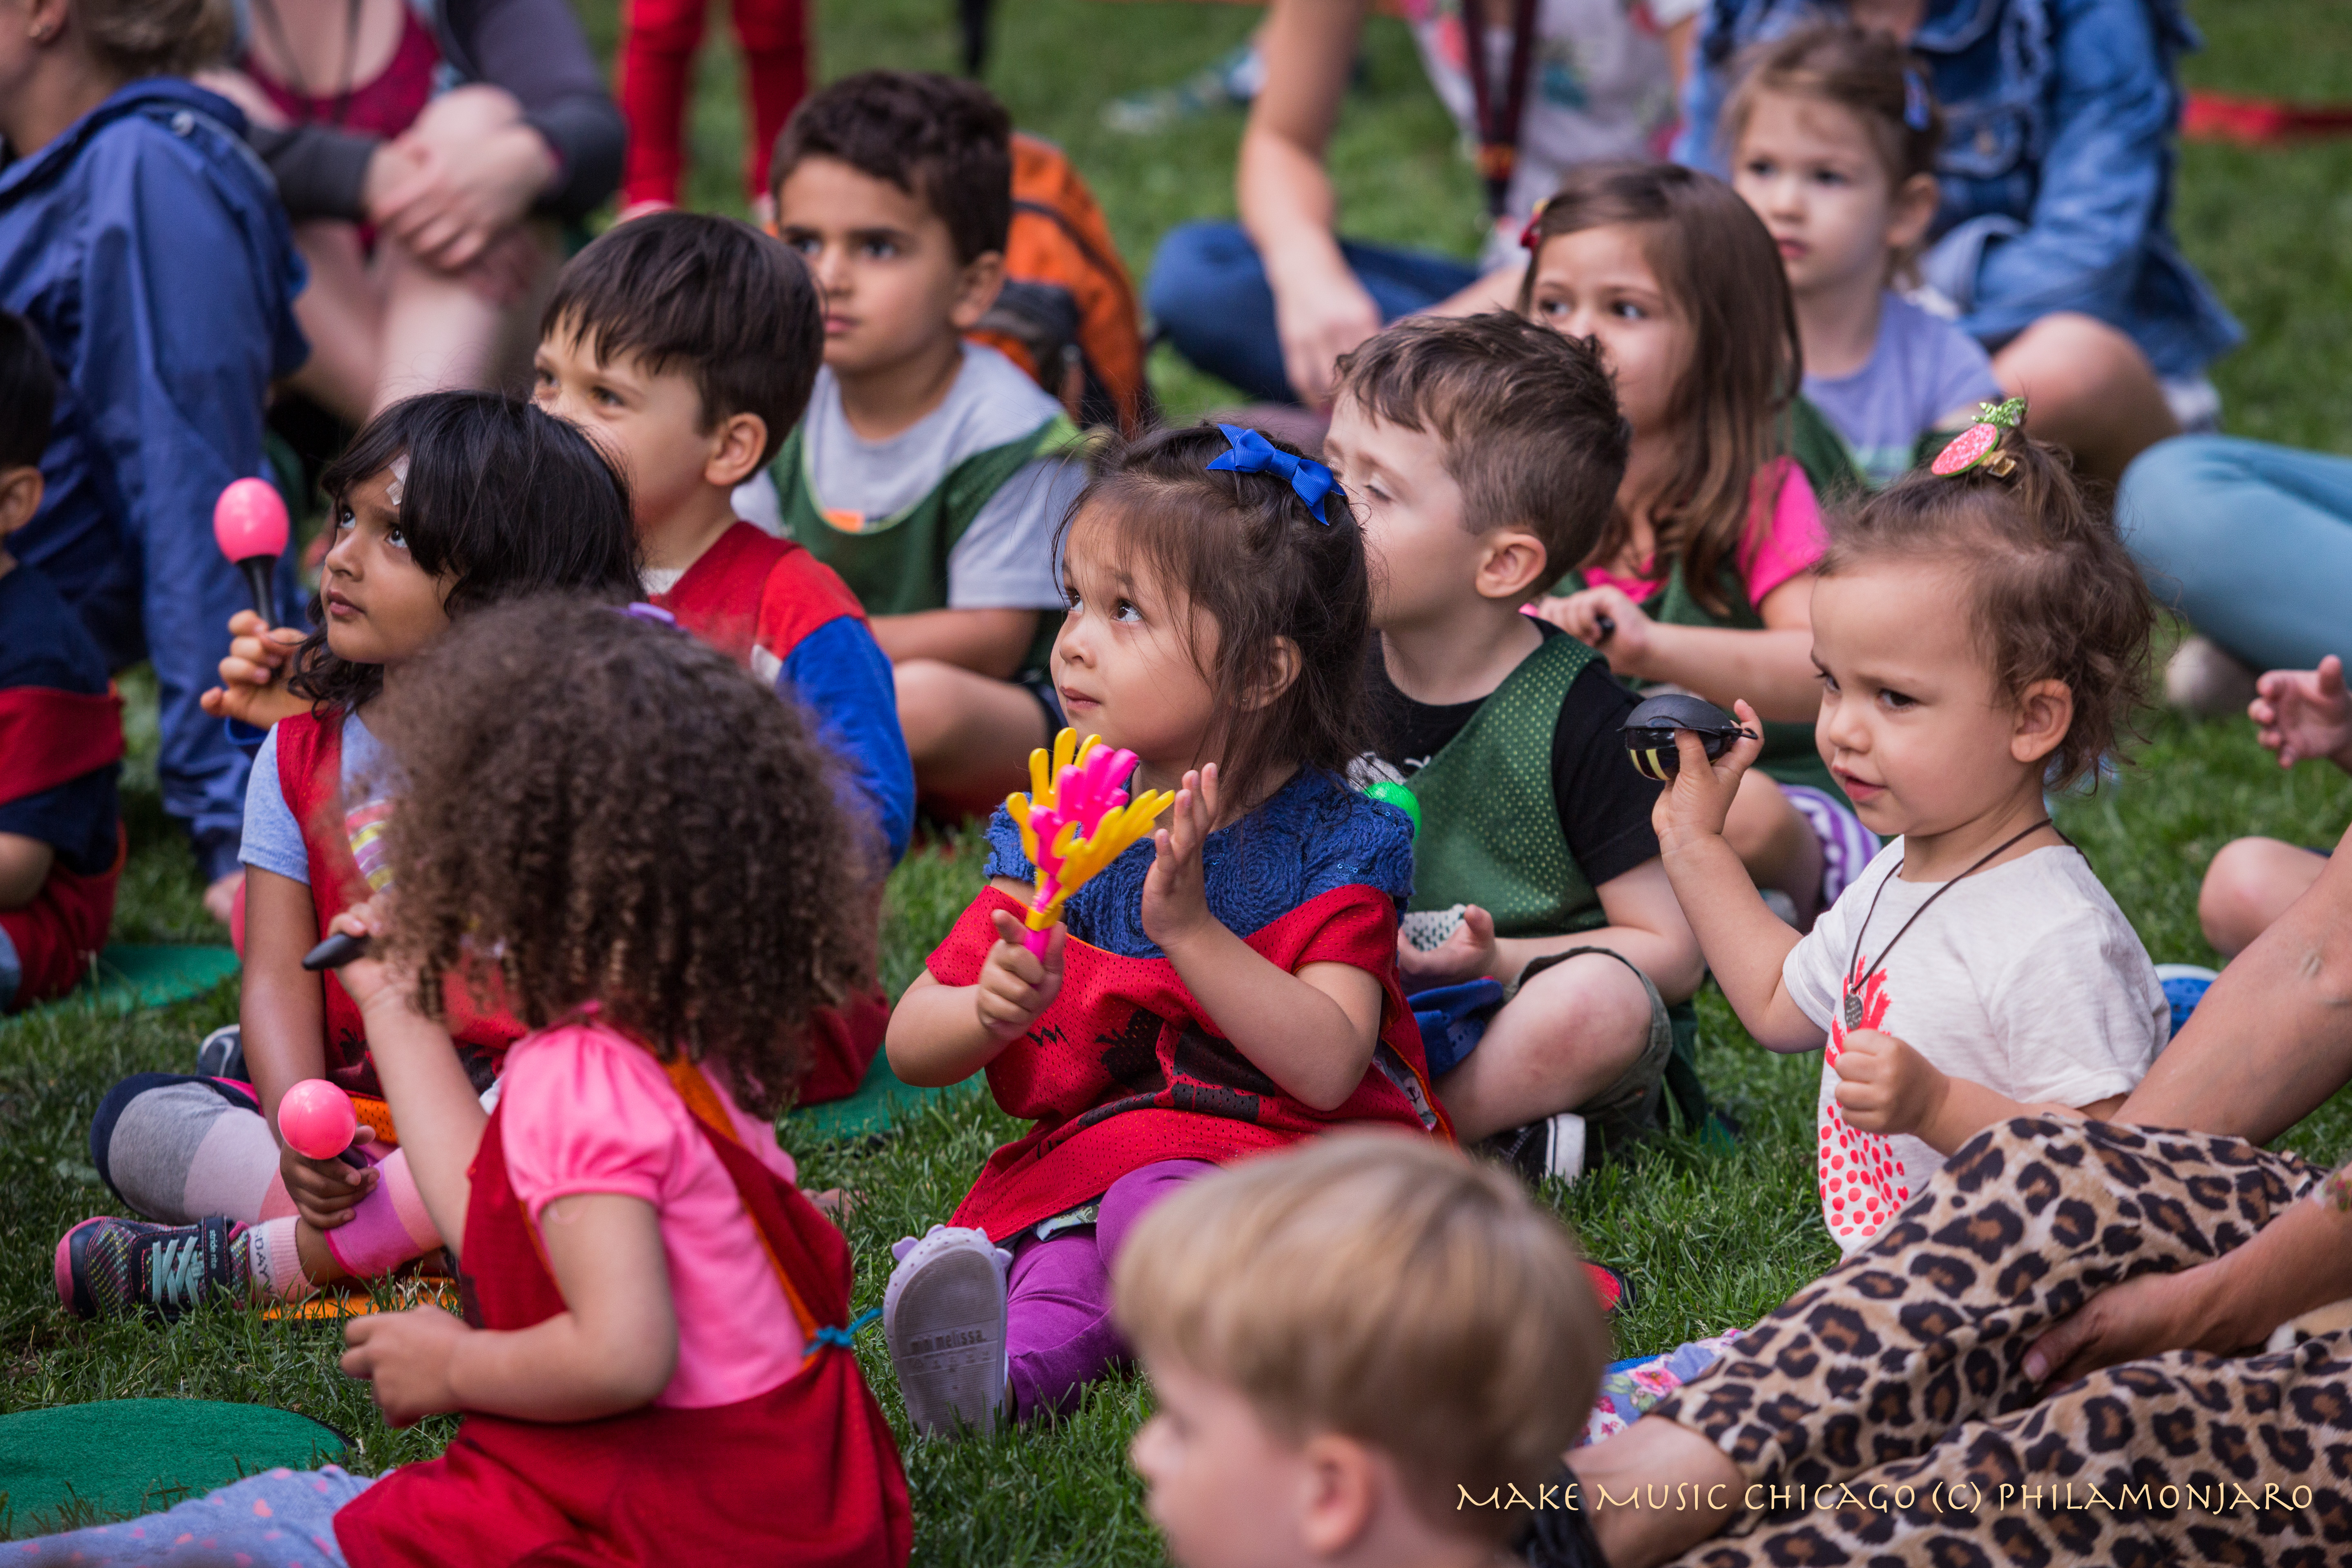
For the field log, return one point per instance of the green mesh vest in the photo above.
(1489, 826)
(897, 565)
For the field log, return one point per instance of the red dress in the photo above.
(805, 1474)
(753, 598)
(46, 737)
(1125, 1069)
(311, 777)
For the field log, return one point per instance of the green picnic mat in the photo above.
(130, 975)
(137, 1456)
(880, 1099)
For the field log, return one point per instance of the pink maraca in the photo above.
(316, 1120)
(249, 525)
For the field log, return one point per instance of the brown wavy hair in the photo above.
(2053, 594)
(599, 809)
(1718, 267)
(1243, 550)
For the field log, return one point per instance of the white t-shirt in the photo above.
(2025, 978)
(1597, 87)
(1004, 560)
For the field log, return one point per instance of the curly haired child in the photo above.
(444, 504)
(1980, 639)
(655, 1339)
(1228, 987)
(1702, 576)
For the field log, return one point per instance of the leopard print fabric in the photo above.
(1883, 1415)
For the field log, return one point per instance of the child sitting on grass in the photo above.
(1981, 639)
(686, 344)
(1701, 578)
(61, 727)
(443, 504)
(1480, 454)
(1833, 139)
(1371, 1351)
(654, 1366)
(930, 472)
(1230, 985)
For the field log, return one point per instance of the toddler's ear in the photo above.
(20, 498)
(1342, 1481)
(2043, 712)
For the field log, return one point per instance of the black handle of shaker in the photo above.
(258, 570)
(335, 952)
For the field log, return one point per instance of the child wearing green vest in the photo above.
(930, 472)
(1702, 575)
(1481, 453)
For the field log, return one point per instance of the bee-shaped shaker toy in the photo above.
(1650, 733)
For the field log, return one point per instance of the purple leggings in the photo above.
(1057, 1326)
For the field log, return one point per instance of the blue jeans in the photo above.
(1208, 291)
(2252, 543)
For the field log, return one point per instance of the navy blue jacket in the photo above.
(147, 248)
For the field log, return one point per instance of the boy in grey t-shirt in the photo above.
(930, 473)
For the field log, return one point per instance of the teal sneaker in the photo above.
(110, 1268)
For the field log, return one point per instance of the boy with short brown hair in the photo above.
(1482, 455)
(1355, 1346)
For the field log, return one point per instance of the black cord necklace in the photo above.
(1856, 976)
(268, 10)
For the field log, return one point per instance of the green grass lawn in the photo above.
(1710, 1241)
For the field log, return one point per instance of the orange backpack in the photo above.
(1067, 314)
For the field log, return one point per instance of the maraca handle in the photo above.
(257, 572)
(1035, 941)
(335, 952)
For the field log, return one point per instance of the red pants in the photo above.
(657, 58)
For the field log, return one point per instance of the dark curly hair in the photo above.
(503, 497)
(1245, 550)
(606, 810)
(940, 139)
(2053, 594)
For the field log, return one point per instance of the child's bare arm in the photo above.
(1745, 944)
(941, 1035)
(283, 1017)
(986, 642)
(1885, 1085)
(612, 1348)
(1312, 1032)
(1772, 668)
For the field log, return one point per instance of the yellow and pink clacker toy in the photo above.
(1075, 820)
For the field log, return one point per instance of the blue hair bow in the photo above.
(1253, 454)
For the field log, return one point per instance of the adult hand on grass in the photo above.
(405, 1357)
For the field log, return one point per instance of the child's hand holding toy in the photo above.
(1015, 985)
(1608, 619)
(1885, 1086)
(1467, 953)
(2305, 713)
(1698, 802)
(253, 675)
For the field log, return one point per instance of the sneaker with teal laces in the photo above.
(110, 1268)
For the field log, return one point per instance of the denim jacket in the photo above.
(147, 248)
(2056, 166)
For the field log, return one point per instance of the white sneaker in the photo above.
(1548, 1149)
(943, 1319)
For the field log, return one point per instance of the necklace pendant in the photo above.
(1852, 1010)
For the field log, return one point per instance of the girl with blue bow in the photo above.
(1230, 985)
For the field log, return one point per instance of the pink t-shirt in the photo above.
(1770, 550)
(586, 1111)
